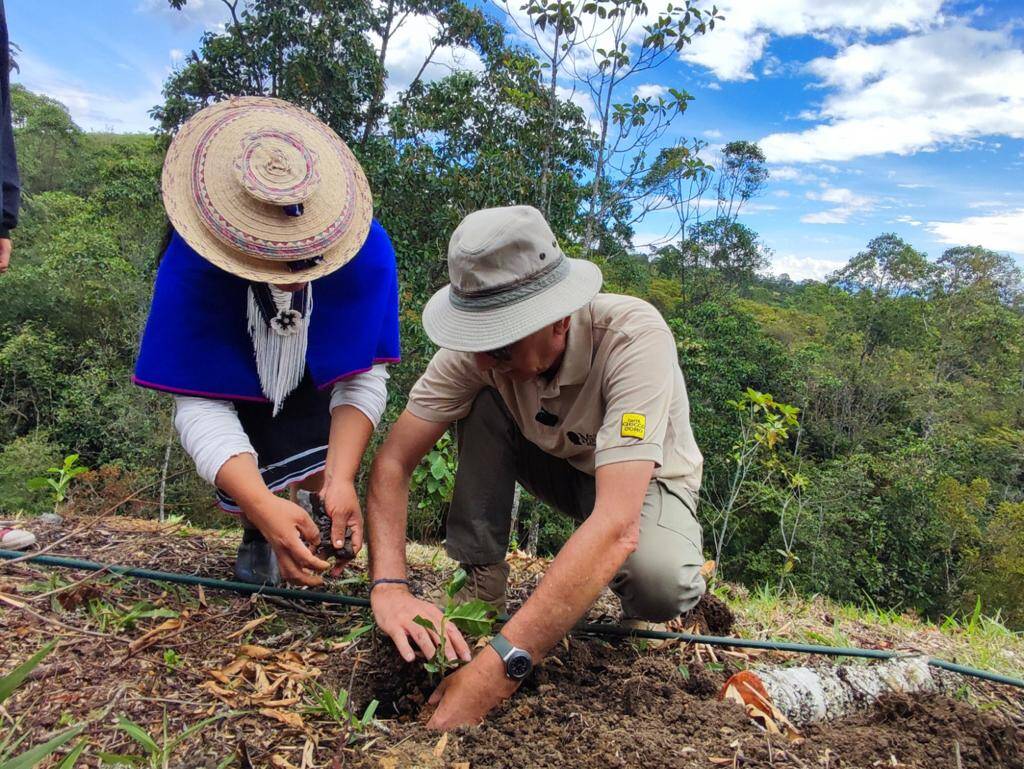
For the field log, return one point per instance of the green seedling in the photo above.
(172, 659)
(337, 707)
(11, 742)
(58, 479)
(157, 750)
(109, 616)
(473, 617)
(358, 632)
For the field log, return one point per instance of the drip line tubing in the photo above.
(313, 596)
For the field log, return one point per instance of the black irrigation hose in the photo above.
(313, 596)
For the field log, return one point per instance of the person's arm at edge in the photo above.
(581, 570)
(387, 501)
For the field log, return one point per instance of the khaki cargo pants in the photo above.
(659, 581)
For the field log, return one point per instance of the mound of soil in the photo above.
(711, 616)
(926, 731)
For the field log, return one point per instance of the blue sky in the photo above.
(903, 116)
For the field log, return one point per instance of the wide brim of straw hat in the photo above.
(481, 330)
(221, 220)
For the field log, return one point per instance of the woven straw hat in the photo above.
(236, 169)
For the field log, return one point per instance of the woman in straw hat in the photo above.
(274, 312)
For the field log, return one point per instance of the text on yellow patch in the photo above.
(634, 425)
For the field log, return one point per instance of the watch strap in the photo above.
(502, 645)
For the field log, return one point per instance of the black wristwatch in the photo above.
(518, 662)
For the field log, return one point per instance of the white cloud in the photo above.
(409, 47)
(945, 87)
(740, 40)
(908, 220)
(804, 267)
(650, 91)
(713, 133)
(845, 202)
(713, 86)
(791, 174)
(209, 14)
(93, 109)
(1000, 232)
(177, 55)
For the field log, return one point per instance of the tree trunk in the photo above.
(516, 499)
(372, 115)
(545, 171)
(167, 462)
(534, 536)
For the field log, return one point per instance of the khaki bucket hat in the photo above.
(508, 278)
(266, 191)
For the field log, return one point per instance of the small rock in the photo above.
(51, 518)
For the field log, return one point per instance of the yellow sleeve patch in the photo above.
(634, 426)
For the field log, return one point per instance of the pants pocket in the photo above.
(678, 515)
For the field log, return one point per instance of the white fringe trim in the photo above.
(280, 359)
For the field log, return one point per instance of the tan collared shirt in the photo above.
(618, 395)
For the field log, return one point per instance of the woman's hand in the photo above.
(289, 529)
(342, 503)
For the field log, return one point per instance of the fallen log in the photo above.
(804, 695)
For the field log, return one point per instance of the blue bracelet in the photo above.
(387, 582)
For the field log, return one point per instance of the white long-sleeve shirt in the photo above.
(211, 432)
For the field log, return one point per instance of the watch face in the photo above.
(519, 665)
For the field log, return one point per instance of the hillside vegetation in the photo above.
(864, 437)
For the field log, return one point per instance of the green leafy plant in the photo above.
(338, 708)
(10, 742)
(434, 476)
(58, 479)
(474, 617)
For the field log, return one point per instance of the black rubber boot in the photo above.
(256, 562)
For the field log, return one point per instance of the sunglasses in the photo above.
(502, 354)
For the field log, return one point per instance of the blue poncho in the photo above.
(196, 340)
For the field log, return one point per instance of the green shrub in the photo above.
(21, 459)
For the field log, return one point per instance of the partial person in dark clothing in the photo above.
(10, 183)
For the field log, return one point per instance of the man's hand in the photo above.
(395, 609)
(470, 693)
(342, 503)
(5, 254)
(288, 528)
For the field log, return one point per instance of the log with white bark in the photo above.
(804, 695)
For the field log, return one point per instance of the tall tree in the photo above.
(313, 53)
(887, 279)
(455, 24)
(600, 48)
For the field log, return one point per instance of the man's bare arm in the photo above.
(583, 567)
(587, 562)
(387, 500)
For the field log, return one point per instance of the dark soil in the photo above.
(711, 616)
(599, 705)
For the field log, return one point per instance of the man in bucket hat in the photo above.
(579, 397)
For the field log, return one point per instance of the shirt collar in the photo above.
(579, 353)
